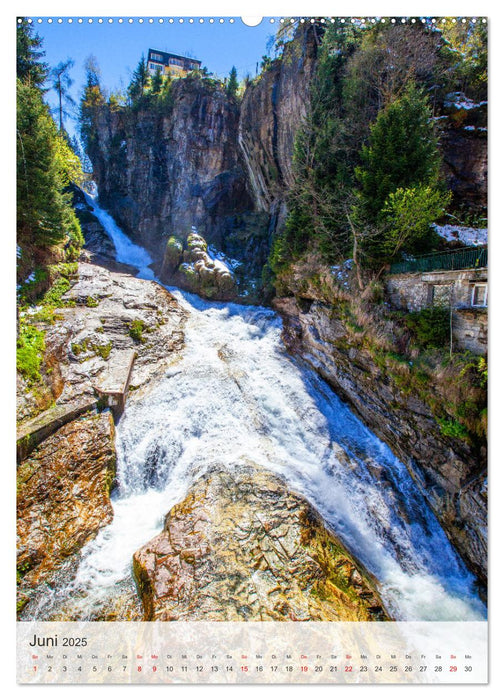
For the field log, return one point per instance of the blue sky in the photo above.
(119, 46)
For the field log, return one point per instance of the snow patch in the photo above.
(219, 257)
(460, 101)
(463, 234)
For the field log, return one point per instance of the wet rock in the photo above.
(241, 546)
(63, 497)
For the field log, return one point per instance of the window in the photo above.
(479, 295)
(441, 294)
(176, 62)
(153, 67)
(156, 57)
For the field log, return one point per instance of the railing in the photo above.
(459, 259)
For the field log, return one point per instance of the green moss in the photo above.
(136, 329)
(430, 327)
(21, 603)
(452, 428)
(79, 348)
(30, 352)
(91, 302)
(103, 350)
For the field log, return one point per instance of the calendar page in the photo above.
(252, 325)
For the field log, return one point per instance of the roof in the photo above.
(166, 56)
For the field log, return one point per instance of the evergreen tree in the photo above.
(45, 167)
(232, 84)
(61, 83)
(92, 100)
(401, 194)
(157, 82)
(138, 83)
(29, 67)
(325, 154)
(402, 152)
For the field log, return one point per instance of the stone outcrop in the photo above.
(241, 546)
(272, 111)
(63, 497)
(188, 264)
(112, 315)
(464, 147)
(449, 473)
(162, 170)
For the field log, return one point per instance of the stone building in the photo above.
(466, 291)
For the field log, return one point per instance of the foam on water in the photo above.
(237, 396)
(127, 251)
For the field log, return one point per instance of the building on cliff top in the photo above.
(171, 63)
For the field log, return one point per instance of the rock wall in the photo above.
(464, 146)
(203, 161)
(449, 473)
(163, 169)
(241, 546)
(272, 111)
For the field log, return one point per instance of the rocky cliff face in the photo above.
(447, 471)
(241, 546)
(272, 111)
(464, 145)
(203, 161)
(165, 169)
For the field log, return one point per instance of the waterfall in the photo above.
(237, 396)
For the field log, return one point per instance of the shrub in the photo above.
(103, 350)
(430, 327)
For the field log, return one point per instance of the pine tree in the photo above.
(157, 82)
(232, 84)
(61, 83)
(401, 193)
(92, 100)
(29, 67)
(402, 152)
(138, 83)
(45, 167)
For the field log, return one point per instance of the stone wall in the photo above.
(418, 290)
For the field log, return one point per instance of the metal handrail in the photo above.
(458, 259)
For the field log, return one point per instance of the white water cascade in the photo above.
(237, 396)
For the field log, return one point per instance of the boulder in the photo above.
(63, 497)
(195, 270)
(242, 546)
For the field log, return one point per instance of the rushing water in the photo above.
(237, 396)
